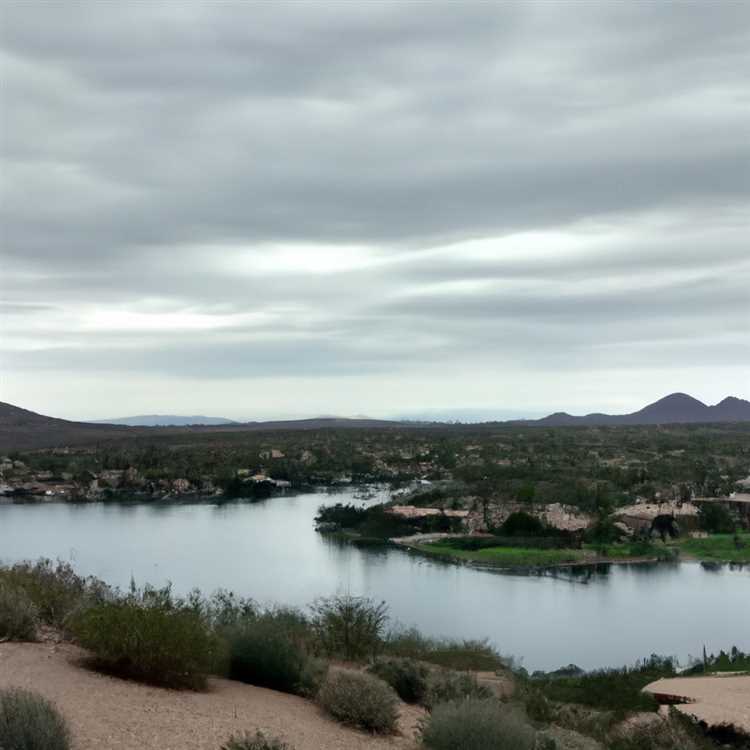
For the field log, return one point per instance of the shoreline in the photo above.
(590, 562)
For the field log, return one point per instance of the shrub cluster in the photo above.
(409, 678)
(477, 725)
(351, 627)
(156, 642)
(30, 722)
(463, 655)
(18, 615)
(54, 588)
(360, 700)
(445, 685)
(269, 651)
(609, 689)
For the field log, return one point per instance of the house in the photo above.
(640, 516)
(413, 512)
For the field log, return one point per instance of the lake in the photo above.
(270, 551)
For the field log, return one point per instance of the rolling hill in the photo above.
(677, 408)
(21, 429)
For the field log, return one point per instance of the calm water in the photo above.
(270, 551)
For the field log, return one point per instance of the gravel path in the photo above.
(106, 713)
(715, 700)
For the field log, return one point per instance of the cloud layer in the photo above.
(350, 207)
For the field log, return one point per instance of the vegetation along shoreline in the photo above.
(343, 655)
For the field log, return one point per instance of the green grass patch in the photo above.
(719, 548)
(506, 557)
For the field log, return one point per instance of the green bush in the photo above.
(677, 732)
(406, 676)
(18, 615)
(477, 725)
(444, 686)
(477, 656)
(30, 722)
(313, 675)
(263, 653)
(349, 626)
(257, 741)
(55, 589)
(153, 642)
(609, 689)
(360, 700)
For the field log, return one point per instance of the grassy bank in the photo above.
(715, 548)
(504, 557)
(718, 548)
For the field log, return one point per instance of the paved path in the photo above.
(715, 700)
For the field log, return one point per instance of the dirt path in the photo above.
(106, 713)
(716, 700)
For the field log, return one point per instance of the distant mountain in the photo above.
(165, 420)
(677, 408)
(21, 429)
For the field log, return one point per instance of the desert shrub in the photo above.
(677, 732)
(263, 653)
(18, 615)
(538, 707)
(223, 608)
(359, 700)
(257, 741)
(406, 676)
(153, 642)
(610, 689)
(313, 675)
(477, 725)
(444, 686)
(453, 654)
(54, 588)
(349, 626)
(30, 722)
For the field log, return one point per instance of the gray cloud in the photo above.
(161, 162)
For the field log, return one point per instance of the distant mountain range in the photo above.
(21, 429)
(165, 420)
(677, 408)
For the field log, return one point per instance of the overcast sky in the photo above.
(253, 210)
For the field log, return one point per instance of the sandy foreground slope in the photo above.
(721, 699)
(106, 713)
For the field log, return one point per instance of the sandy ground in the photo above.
(106, 713)
(715, 700)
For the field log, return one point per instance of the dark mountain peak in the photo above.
(677, 399)
(732, 401)
(675, 408)
(731, 409)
